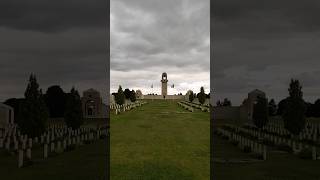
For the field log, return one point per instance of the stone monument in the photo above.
(164, 85)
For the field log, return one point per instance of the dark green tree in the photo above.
(33, 110)
(127, 93)
(272, 108)
(202, 96)
(191, 96)
(120, 97)
(310, 109)
(73, 116)
(218, 103)
(282, 106)
(260, 112)
(316, 108)
(226, 102)
(294, 113)
(133, 96)
(56, 101)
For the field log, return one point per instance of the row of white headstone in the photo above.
(311, 128)
(186, 107)
(296, 146)
(12, 140)
(257, 148)
(198, 106)
(127, 107)
(280, 131)
(60, 145)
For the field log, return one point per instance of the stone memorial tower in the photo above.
(164, 85)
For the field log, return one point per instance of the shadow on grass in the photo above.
(149, 171)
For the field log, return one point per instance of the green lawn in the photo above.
(160, 140)
(84, 163)
(279, 166)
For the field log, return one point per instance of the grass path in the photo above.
(160, 140)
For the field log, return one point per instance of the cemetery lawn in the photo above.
(83, 163)
(160, 140)
(278, 166)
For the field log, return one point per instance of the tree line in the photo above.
(202, 96)
(33, 111)
(121, 95)
(292, 109)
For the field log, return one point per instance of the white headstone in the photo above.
(20, 158)
(45, 151)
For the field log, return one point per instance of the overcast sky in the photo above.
(262, 44)
(149, 37)
(62, 42)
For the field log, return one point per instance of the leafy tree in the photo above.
(127, 93)
(310, 109)
(219, 103)
(120, 97)
(133, 96)
(260, 112)
(316, 109)
(244, 102)
(191, 96)
(34, 113)
(226, 102)
(282, 106)
(73, 113)
(56, 101)
(202, 96)
(294, 113)
(272, 108)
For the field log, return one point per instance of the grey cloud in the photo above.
(157, 36)
(53, 16)
(62, 42)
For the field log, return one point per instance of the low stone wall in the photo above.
(161, 97)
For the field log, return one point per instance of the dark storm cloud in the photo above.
(63, 42)
(269, 42)
(51, 16)
(149, 37)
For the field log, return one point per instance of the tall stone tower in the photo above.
(164, 85)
